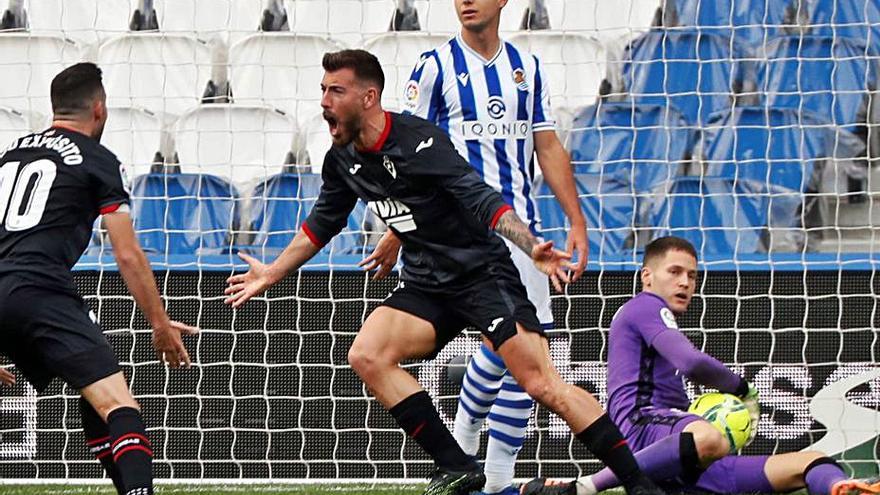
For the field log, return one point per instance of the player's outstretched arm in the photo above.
(261, 276)
(138, 276)
(555, 165)
(551, 261)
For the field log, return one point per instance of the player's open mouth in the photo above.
(681, 296)
(332, 123)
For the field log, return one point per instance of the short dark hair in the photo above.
(75, 88)
(365, 65)
(660, 246)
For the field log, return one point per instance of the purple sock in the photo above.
(659, 461)
(821, 475)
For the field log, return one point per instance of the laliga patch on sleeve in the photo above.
(668, 318)
(126, 178)
(411, 94)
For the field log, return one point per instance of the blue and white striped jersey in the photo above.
(490, 109)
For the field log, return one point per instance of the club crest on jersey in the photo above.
(389, 166)
(394, 213)
(496, 107)
(519, 78)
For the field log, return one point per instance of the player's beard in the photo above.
(346, 129)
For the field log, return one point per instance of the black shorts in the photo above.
(493, 301)
(51, 333)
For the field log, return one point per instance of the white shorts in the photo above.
(536, 282)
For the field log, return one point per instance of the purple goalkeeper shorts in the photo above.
(649, 425)
(732, 474)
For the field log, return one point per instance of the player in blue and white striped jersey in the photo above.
(492, 99)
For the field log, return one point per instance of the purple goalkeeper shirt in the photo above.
(648, 357)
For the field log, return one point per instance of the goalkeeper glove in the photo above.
(750, 400)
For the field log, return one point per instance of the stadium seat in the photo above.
(691, 71)
(643, 144)
(134, 135)
(240, 143)
(827, 76)
(348, 21)
(317, 142)
(280, 205)
(162, 72)
(29, 63)
(608, 206)
(231, 20)
(84, 21)
(398, 53)
(574, 64)
(281, 70)
(750, 22)
(720, 215)
(855, 19)
(13, 125)
(603, 19)
(774, 146)
(184, 213)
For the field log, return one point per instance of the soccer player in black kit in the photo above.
(53, 185)
(456, 271)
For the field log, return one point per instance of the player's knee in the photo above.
(711, 444)
(543, 389)
(364, 359)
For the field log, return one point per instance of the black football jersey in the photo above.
(418, 184)
(53, 185)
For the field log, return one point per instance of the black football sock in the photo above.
(98, 441)
(132, 451)
(419, 419)
(604, 440)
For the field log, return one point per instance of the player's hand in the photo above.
(750, 400)
(247, 285)
(553, 262)
(169, 346)
(6, 377)
(577, 241)
(384, 256)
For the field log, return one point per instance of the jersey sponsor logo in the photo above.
(411, 94)
(389, 166)
(496, 107)
(354, 168)
(463, 78)
(394, 213)
(668, 318)
(495, 324)
(474, 129)
(519, 78)
(425, 144)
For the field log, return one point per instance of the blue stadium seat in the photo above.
(608, 205)
(641, 143)
(720, 215)
(691, 71)
(827, 76)
(775, 146)
(184, 213)
(856, 19)
(280, 204)
(750, 22)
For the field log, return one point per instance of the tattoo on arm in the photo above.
(512, 228)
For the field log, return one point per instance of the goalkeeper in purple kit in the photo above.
(647, 357)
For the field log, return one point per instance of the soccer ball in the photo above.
(728, 414)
